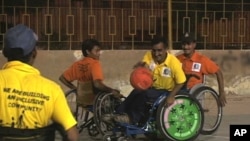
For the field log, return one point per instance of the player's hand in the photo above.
(116, 93)
(222, 98)
(169, 100)
(140, 64)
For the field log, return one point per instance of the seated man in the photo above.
(168, 78)
(199, 65)
(88, 73)
(30, 103)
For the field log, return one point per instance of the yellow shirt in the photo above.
(28, 100)
(166, 74)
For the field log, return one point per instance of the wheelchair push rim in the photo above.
(209, 100)
(183, 120)
(104, 104)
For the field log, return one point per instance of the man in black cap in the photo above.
(200, 65)
(30, 103)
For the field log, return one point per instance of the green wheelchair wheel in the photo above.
(181, 121)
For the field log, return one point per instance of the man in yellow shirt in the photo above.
(29, 101)
(168, 78)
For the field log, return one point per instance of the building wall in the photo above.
(118, 64)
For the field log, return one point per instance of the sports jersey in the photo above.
(29, 100)
(85, 71)
(199, 65)
(166, 74)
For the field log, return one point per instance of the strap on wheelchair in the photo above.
(42, 134)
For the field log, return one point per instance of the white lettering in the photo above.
(240, 132)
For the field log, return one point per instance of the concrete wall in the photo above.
(117, 65)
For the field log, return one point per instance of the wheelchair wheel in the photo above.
(92, 129)
(104, 105)
(109, 137)
(211, 107)
(182, 121)
(71, 99)
(81, 115)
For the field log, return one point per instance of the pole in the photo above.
(170, 39)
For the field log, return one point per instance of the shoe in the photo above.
(122, 118)
(108, 118)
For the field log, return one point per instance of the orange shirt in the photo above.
(85, 71)
(199, 65)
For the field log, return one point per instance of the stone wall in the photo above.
(117, 65)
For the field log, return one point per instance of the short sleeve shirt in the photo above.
(87, 69)
(199, 65)
(29, 100)
(167, 74)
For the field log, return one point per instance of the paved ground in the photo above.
(236, 112)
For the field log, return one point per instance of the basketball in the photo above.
(141, 78)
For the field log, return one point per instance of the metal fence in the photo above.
(131, 25)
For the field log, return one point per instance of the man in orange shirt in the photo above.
(88, 73)
(200, 65)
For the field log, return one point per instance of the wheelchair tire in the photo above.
(105, 103)
(182, 121)
(81, 115)
(211, 107)
(71, 99)
(92, 129)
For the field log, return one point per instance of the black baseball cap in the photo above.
(188, 37)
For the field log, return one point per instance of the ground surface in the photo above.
(236, 112)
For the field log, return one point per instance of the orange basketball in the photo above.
(141, 78)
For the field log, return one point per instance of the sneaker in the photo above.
(108, 118)
(122, 118)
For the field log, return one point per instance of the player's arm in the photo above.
(63, 115)
(72, 134)
(220, 81)
(66, 82)
(98, 81)
(145, 60)
(101, 86)
(171, 98)
(180, 80)
(212, 68)
(140, 64)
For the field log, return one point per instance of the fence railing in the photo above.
(65, 29)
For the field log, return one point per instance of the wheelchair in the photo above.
(181, 121)
(83, 115)
(211, 107)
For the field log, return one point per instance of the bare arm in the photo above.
(66, 82)
(171, 98)
(220, 81)
(72, 134)
(140, 64)
(101, 86)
